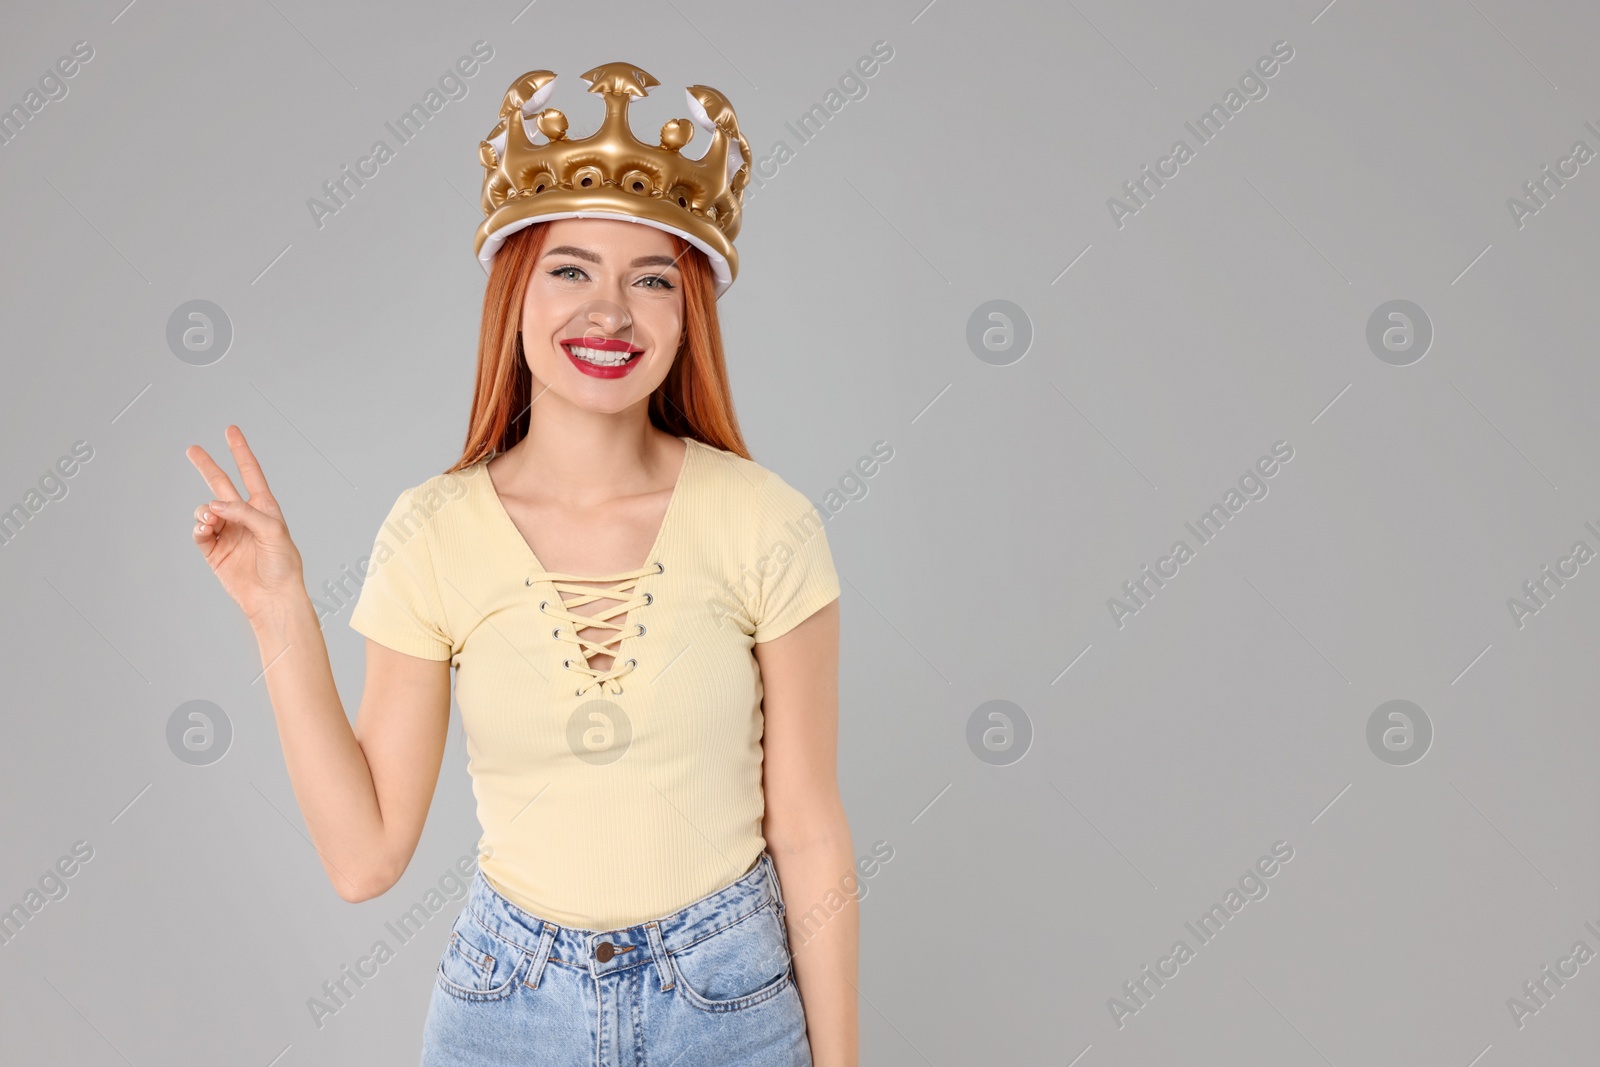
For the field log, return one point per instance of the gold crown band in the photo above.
(611, 173)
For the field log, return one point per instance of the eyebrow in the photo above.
(583, 253)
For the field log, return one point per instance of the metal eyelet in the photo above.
(527, 581)
(640, 625)
(566, 664)
(649, 599)
(542, 604)
(633, 662)
(661, 568)
(556, 633)
(578, 692)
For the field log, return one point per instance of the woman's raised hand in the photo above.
(246, 543)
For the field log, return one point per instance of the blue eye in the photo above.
(665, 285)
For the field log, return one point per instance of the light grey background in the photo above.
(1229, 313)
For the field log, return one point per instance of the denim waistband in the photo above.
(631, 946)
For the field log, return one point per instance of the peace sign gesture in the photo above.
(246, 542)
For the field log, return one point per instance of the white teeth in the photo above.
(599, 357)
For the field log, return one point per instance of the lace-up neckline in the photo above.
(624, 583)
(623, 586)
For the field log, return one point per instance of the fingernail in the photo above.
(219, 505)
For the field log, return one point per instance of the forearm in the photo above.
(819, 880)
(328, 770)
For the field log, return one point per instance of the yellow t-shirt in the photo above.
(605, 809)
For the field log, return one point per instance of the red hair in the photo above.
(693, 401)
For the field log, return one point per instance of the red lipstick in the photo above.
(606, 345)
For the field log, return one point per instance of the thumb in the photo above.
(257, 522)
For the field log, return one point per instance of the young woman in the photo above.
(644, 626)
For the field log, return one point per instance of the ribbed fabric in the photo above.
(572, 831)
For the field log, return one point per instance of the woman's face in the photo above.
(603, 316)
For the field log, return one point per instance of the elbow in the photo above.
(365, 886)
(825, 828)
(354, 894)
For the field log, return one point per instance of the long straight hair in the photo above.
(693, 401)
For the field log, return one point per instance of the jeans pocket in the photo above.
(476, 964)
(739, 966)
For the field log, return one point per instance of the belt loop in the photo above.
(658, 949)
(540, 956)
(772, 876)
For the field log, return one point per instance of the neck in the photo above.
(584, 458)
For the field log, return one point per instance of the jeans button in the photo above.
(604, 951)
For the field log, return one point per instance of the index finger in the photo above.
(217, 479)
(255, 479)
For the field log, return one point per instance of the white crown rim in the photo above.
(720, 270)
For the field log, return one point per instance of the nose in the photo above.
(609, 319)
(607, 316)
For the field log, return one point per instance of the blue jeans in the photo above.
(712, 983)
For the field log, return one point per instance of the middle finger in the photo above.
(217, 479)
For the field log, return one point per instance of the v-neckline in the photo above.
(504, 517)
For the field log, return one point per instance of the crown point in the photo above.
(675, 133)
(529, 92)
(552, 123)
(619, 78)
(710, 108)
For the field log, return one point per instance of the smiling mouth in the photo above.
(600, 357)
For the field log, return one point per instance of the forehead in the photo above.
(608, 237)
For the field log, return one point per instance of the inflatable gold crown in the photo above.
(611, 174)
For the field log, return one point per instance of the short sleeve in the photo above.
(795, 563)
(399, 605)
